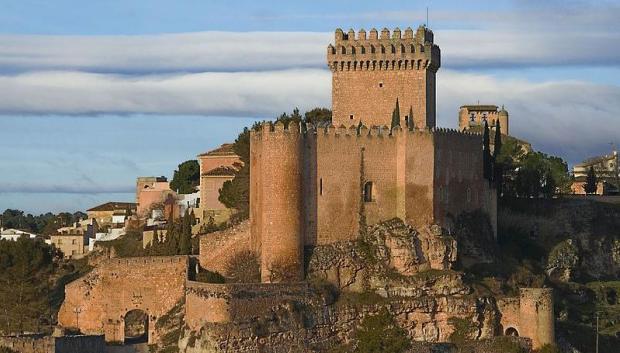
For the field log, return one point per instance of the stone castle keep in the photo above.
(317, 193)
(318, 186)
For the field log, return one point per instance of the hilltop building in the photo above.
(104, 213)
(606, 170)
(473, 117)
(216, 167)
(151, 191)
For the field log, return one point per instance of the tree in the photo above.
(186, 178)
(486, 154)
(185, 241)
(318, 115)
(395, 116)
(591, 182)
(410, 123)
(498, 168)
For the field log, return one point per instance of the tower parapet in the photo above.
(388, 51)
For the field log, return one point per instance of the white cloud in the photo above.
(570, 118)
(225, 94)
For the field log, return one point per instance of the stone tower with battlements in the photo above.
(371, 70)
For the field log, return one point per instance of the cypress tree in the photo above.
(410, 121)
(591, 182)
(185, 241)
(486, 153)
(498, 167)
(396, 116)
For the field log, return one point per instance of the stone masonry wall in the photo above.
(370, 73)
(218, 248)
(98, 302)
(48, 344)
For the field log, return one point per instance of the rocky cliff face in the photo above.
(392, 267)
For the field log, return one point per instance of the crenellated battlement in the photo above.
(278, 130)
(387, 50)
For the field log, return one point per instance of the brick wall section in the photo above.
(366, 84)
(117, 286)
(216, 249)
(222, 303)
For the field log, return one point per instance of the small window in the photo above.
(59, 241)
(321, 186)
(351, 116)
(380, 84)
(368, 192)
(468, 194)
(73, 242)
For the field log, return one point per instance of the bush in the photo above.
(7, 350)
(243, 268)
(380, 334)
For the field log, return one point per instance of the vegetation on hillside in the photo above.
(45, 224)
(32, 278)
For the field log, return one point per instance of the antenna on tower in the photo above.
(427, 17)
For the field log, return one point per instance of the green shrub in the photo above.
(380, 334)
(243, 268)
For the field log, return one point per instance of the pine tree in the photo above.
(591, 182)
(396, 116)
(486, 154)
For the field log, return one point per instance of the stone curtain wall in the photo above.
(117, 286)
(370, 73)
(217, 249)
(48, 344)
(222, 303)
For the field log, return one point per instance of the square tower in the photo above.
(370, 73)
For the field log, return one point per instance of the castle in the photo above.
(318, 186)
(322, 188)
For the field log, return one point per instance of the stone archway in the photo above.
(511, 331)
(136, 327)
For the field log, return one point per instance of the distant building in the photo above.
(472, 117)
(72, 245)
(151, 191)
(607, 174)
(216, 167)
(14, 234)
(104, 213)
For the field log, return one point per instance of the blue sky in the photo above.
(94, 94)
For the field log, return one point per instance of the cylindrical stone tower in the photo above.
(536, 319)
(280, 209)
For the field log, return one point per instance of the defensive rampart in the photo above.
(98, 302)
(223, 303)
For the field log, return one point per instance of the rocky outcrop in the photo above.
(296, 327)
(388, 252)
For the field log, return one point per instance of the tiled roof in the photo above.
(224, 150)
(113, 206)
(221, 171)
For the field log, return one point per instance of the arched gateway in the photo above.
(123, 298)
